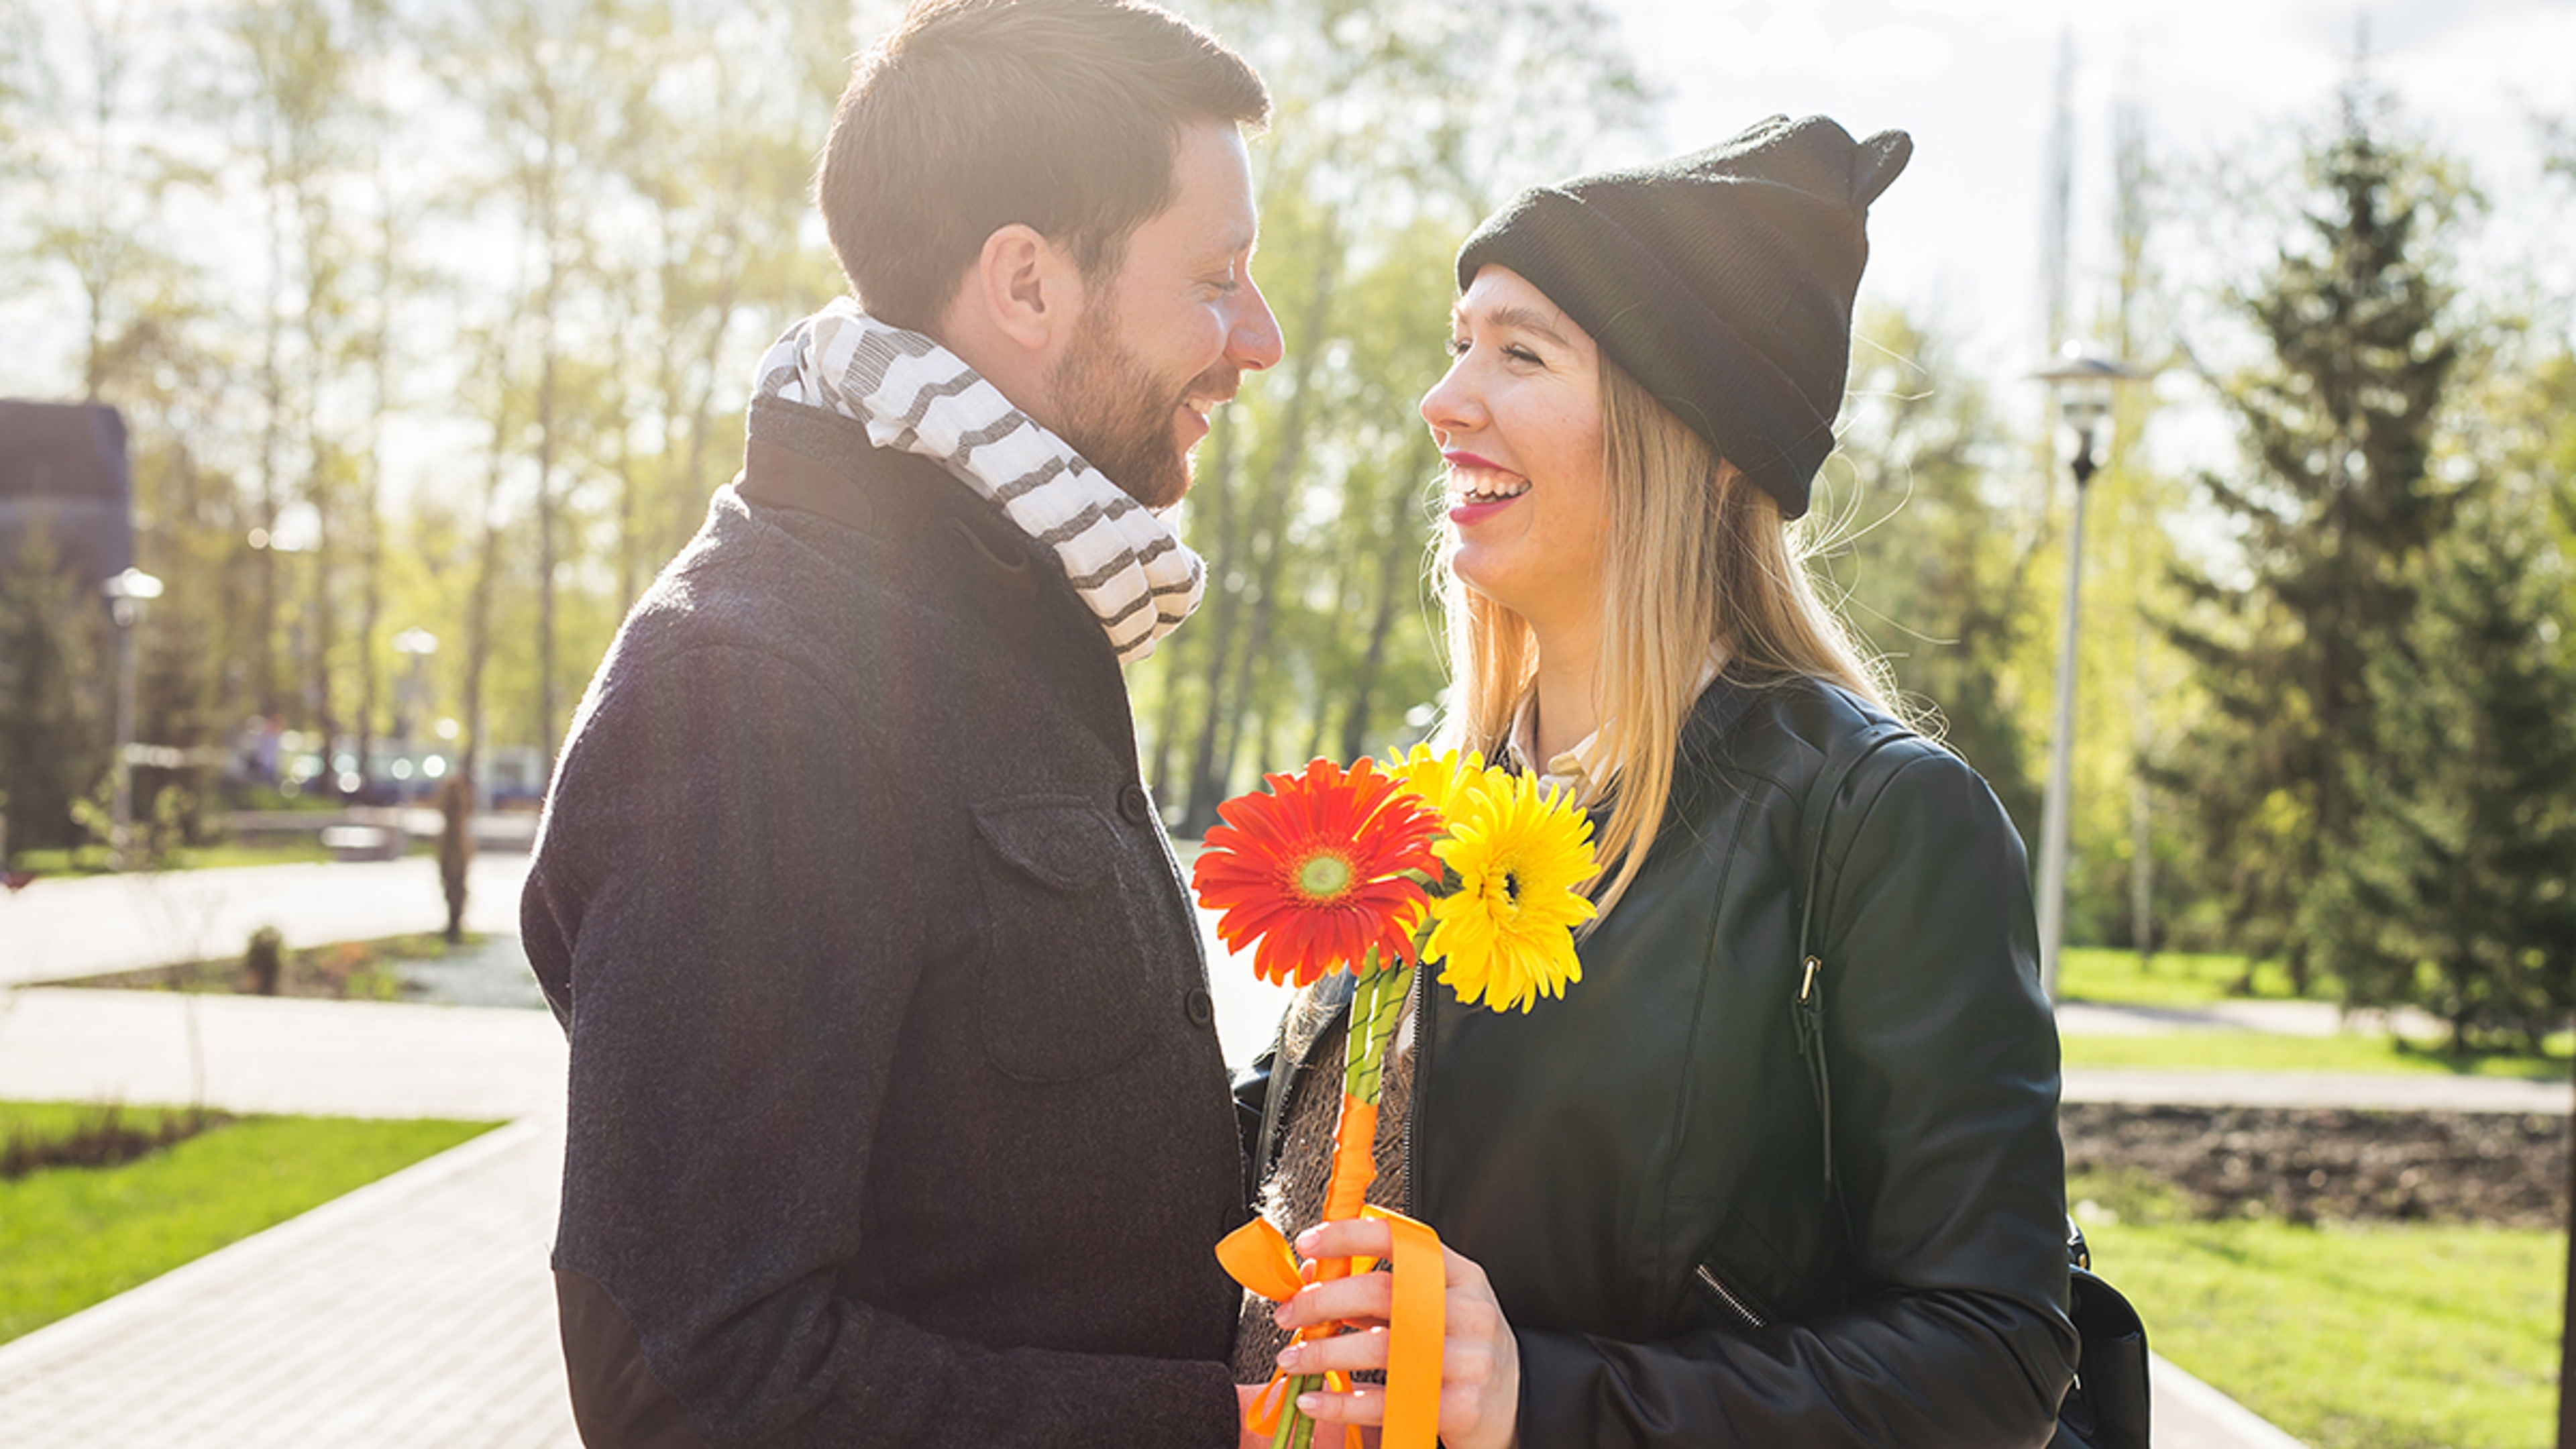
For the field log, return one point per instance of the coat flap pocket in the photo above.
(1060, 841)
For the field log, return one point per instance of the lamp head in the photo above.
(2083, 380)
(126, 594)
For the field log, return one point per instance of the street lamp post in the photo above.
(2082, 382)
(127, 593)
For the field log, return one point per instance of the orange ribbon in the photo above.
(1258, 1257)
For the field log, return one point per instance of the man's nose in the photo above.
(1252, 340)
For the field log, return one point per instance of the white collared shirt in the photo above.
(1578, 772)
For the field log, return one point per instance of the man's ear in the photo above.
(1027, 288)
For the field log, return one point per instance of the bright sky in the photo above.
(1959, 235)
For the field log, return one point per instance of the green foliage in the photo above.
(1937, 565)
(2349, 1337)
(71, 1237)
(2456, 891)
(2335, 507)
(1394, 129)
(55, 713)
(263, 960)
(2171, 978)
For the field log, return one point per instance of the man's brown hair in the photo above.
(1061, 115)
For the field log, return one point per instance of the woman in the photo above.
(1782, 1168)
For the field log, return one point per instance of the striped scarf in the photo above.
(916, 396)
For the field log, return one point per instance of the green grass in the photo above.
(2348, 1336)
(56, 1121)
(2247, 1051)
(2093, 973)
(93, 859)
(71, 1237)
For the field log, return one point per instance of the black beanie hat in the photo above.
(1722, 281)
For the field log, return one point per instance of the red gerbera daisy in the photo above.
(1314, 870)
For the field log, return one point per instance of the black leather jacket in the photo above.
(1641, 1169)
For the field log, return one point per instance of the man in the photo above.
(897, 1112)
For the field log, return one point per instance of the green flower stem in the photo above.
(1291, 1422)
(1376, 1007)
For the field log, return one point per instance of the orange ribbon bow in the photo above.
(1259, 1258)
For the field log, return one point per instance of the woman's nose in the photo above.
(1450, 406)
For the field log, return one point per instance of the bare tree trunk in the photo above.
(1268, 537)
(273, 408)
(371, 490)
(1199, 810)
(547, 504)
(487, 574)
(1402, 544)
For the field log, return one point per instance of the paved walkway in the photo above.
(267, 1054)
(69, 926)
(2278, 1018)
(418, 1310)
(415, 1313)
(2372, 1092)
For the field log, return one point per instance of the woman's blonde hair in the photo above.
(1698, 557)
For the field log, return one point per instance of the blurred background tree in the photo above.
(2455, 888)
(2336, 503)
(439, 315)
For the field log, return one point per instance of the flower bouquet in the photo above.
(1436, 858)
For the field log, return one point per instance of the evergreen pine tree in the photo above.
(2457, 889)
(2333, 509)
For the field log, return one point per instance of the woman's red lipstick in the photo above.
(1465, 514)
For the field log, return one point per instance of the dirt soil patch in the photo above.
(346, 971)
(2303, 1165)
(105, 1138)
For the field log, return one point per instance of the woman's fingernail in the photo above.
(1290, 1357)
(1279, 1315)
(1306, 1241)
(1310, 1404)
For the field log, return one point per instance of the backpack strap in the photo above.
(1809, 1006)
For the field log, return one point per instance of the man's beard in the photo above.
(1119, 416)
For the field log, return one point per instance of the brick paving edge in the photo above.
(110, 1316)
(2250, 1430)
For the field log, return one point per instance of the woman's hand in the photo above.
(1480, 1362)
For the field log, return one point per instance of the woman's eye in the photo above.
(1518, 353)
(1458, 346)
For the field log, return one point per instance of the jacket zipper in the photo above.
(1811, 1048)
(1729, 1297)
(1422, 996)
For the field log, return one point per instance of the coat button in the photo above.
(1201, 1007)
(1135, 804)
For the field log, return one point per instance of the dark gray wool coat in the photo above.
(897, 1109)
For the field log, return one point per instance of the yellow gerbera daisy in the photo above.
(1521, 855)
(1438, 779)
